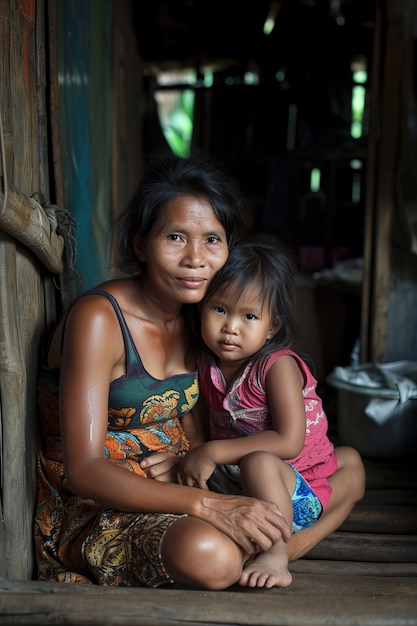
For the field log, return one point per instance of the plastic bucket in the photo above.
(395, 437)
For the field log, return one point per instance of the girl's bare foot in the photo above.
(267, 570)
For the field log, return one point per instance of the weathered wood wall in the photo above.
(33, 269)
(27, 243)
(389, 303)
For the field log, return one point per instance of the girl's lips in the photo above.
(227, 345)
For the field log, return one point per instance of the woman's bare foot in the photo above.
(269, 569)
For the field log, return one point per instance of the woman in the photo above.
(128, 393)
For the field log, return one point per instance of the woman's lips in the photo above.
(193, 282)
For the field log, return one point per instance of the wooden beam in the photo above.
(383, 548)
(170, 607)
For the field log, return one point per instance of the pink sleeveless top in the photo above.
(243, 410)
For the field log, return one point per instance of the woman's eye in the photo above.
(174, 237)
(212, 239)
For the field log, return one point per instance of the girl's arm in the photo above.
(284, 386)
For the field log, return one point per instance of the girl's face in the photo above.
(185, 248)
(236, 325)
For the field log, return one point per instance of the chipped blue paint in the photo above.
(85, 97)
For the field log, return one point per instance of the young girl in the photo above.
(268, 430)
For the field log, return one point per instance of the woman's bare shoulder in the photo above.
(89, 311)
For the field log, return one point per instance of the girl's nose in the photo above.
(230, 327)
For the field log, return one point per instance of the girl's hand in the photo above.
(196, 467)
(161, 466)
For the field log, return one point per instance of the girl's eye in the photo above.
(219, 309)
(250, 316)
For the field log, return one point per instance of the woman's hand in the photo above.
(162, 466)
(252, 524)
(196, 467)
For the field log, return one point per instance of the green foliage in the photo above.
(179, 127)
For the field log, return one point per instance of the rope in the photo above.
(64, 224)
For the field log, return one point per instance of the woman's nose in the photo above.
(194, 255)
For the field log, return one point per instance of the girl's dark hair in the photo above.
(274, 273)
(164, 179)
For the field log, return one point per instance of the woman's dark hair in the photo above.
(165, 179)
(265, 266)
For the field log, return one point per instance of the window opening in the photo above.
(271, 18)
(359, 77)
(356, 166)
(315, 177)
(174, 97)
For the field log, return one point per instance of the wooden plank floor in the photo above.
(365, 574)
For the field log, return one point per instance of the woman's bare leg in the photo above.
(197, 554)
(348, 483)
(266, 477)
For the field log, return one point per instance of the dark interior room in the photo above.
(278, 94)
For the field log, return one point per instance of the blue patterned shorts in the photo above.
(306, 506)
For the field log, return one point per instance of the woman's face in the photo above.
(185, 248)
